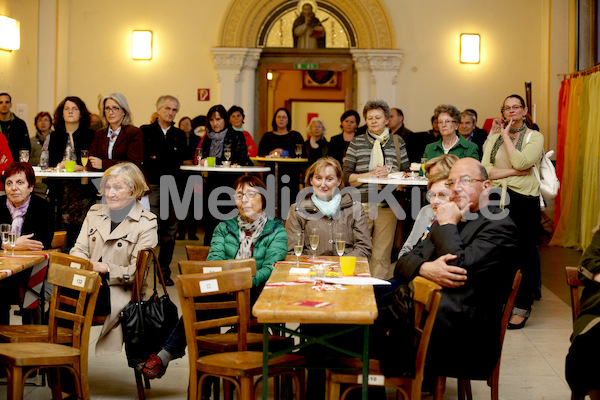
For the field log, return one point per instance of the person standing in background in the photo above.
(13, 127)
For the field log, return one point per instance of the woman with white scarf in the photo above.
(366, 157)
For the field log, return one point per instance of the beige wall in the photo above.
(94, 54)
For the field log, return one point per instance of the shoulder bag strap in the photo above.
(397, 147)
(159, 271)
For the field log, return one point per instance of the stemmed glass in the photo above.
(198, 155)
(12, 238)
(314, 241)
(84, 157)
(24, 155)
(298, 246)
(298, 150)
(340, 243)
(5, 230)
(389, 165)
(227, 152)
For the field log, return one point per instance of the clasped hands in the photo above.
(443, 274)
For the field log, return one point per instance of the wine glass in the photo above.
(84, 157)
(314, 241)
(298, 150)
(340, 243)
(24, 155)
(198, 155)
(12, 238)
(4, 230)
(227, 152)
(389, 165)
(298, 246)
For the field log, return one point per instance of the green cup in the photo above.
(211, 161)
(70, 166)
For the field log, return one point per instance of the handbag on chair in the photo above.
(147, 323)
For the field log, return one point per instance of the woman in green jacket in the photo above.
(450, 142)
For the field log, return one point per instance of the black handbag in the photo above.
(147, 323)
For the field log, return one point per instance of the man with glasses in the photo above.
(470, 252)
(164, 152)
(13, 127)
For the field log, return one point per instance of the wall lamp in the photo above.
(141, 45)
(470, 46)
(10, 33)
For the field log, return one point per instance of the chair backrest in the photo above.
(202, 267)
(78, 309)
(58, 240)
(509, 305)
(196, 286)
(141, 272)
(197, 253)
(68, 260)
(427, 296)
(574, 285)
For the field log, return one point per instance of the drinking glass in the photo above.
(389, 165)
(4, 230)
(314, 241)
(12, 238)
(340, 243)
(198, 155)
(227, 152)
(84, 157)
(298, 246)
(298, 150)
(24, 155)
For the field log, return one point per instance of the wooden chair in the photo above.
(238, 367)
(58, 240)
(39, 333)
(464, 385)
(574, 285)
(197, 253)
(427, 297)
(21, 359)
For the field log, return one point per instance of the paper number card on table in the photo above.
(78, 280)
(210, 285)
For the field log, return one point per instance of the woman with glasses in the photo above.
(118, 140)
(437, 170)
(448, 119)
(509, 157)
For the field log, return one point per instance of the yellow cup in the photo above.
(347, 263)
(70, 166)
(210, 161)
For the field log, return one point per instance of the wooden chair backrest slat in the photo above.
(58, 239)
(216, 323)
(201, 267)
(574, 285)
(197, 253)
(69, 261)
(427, 296)
(215, 306)
(509, 305)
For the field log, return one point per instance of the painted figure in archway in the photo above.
(308, 31)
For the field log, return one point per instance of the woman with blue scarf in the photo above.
(330, 211)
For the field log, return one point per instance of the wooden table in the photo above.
(21, 261)
(395, 181)
(354, 306)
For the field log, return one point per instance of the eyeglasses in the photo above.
(249, 195)
(464, 181)
(112, 109)
(443, 196)
(446, 122)
(508, 108)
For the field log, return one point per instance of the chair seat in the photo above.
(226, 342)
(243, 363)
(24, 354)
(32, 334)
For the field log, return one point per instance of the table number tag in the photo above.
(374, 380)
(208, 270)
(78, 280)
(75, 265)
(210, 285)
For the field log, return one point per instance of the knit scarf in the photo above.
(18, 215)
(328, 208)
(216, 145)
(500, 140)
(377, 158)
(247, 242)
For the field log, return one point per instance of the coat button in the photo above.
(91, 230)
(120, 244)
(330, 241)
(94, 239)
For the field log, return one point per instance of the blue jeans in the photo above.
(176, 342)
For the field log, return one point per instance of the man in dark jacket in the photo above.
(470, 252)
(13, 127)
(164, 152)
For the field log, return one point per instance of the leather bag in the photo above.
(147, 323)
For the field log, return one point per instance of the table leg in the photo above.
(365, 363)
(265, 374)
(276, 189)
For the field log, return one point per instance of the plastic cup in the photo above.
(285, 153)
(211, 161)
(347, 263)
(70, 166)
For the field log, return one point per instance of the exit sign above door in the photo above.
(306, 66)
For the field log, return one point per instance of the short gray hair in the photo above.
(120, 99)
(131, 174)
(161, 101)
(470, 114)
(448, 109)
(377, 104)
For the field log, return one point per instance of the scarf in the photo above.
(247, 242)
(377, 158)
(499, 141)
(328, 208)
(216, 144)
(18, 215)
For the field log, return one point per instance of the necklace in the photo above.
(452, 145)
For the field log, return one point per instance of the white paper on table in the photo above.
(299, 271)
(355, 280)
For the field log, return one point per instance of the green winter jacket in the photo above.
(463, 148)
(270, 247)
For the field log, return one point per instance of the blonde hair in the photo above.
(443, 162)
(131, 174)
(312, 121)
(324, 163)
(437, 177)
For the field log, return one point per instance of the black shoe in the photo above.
(169, 282)
(193, 237)
(517, 326)
(181, 236)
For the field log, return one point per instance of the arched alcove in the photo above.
(368, 19)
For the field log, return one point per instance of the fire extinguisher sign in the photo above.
(203, 94)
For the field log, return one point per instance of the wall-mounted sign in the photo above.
(203, 94)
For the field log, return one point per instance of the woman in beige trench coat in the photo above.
(111, 236)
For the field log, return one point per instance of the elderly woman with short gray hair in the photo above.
(448, 119)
